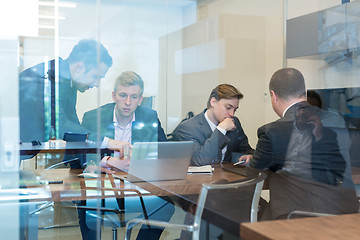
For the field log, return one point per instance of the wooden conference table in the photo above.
(187, 190)
(340, 227)
(225, 217)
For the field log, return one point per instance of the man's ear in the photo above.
(273, 96)
(76, 69)
(213, 101)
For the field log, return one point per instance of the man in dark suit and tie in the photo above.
(216, 132)
(124, 119)
(301, 151)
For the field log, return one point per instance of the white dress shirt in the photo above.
(122, 133)
(223, 131)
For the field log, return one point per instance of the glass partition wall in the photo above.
(181, 49)
(323, 43)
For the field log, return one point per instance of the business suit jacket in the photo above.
(327, 163)
(321, 191)
(32, 102)
(150, 132)
(208, 144)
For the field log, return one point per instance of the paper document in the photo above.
(202, 169)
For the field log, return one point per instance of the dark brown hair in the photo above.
(224, 91)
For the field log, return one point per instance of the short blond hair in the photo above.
(129, 78)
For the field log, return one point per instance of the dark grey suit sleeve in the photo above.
(68, 119)
(161, 134)
(87, 121)
(206, 149)
(263, 156)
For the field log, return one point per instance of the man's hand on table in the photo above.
(94, 169)
(113, 162)
(118, 146)
(244, 159)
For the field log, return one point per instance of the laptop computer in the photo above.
(75, 137)
(159, 161)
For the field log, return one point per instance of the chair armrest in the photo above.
(308, 214)
(115, 190)
(63, 162)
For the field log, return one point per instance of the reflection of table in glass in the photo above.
(59, 198)
(56, 150)
(58, 146)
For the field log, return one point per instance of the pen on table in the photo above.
(240, 162)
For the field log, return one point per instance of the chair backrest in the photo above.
(240, 198)
(148, 102)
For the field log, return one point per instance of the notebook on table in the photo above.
(159, 161)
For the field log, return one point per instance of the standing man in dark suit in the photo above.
(216, 132)
(42, 110)
(301, 152)
(125, 120)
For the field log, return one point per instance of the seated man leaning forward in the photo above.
(216, 132)
(301, 150)
(124, 119)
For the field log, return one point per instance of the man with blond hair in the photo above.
(124, 119)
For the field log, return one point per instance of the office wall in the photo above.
(131, 31)
(298, 8)
(236, 42)
(245, 39)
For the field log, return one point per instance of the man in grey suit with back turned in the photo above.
(301, 151)
(216, 132)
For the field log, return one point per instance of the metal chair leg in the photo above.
(114, 233)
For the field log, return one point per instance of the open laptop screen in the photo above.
(156, 161)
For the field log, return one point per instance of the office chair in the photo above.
(148, 102)
(307, 214)
(119, 194)
(299, 213)
(101, 212)
(255, 183)
(51, 204)
(189, 115)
